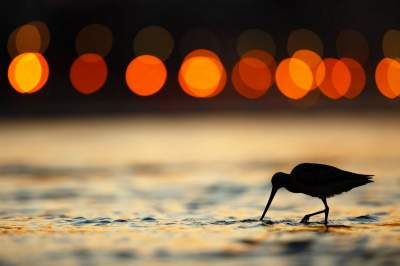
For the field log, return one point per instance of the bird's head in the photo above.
(278, 180)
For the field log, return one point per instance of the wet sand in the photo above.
(179, 190)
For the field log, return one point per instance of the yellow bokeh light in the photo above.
(301, 74)
(294, 78)
(202, 74)
(28, 72)
(312, 59)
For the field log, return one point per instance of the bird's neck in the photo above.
(290, 187)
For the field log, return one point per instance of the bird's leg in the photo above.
(307, 216)
(326, 211)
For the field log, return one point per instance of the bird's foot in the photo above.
(305, 219)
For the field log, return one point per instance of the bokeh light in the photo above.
(304, 39)
(358, 78)
(88, 73)
(255, 39)
(44, 34)
(33, 37)
(154, 40)
(294, 78)
(352, 44)
(94, 38)
(202, 74)
(333, 78)
(312, 59)
(145, 75)
(391, 44)
(387, 77)
(27, 39)
(199, 38)
(254, 74)
(28, 72)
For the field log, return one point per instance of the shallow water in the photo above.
(190, 190)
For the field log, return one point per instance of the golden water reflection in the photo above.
(142, 201)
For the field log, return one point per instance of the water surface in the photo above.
(190, 190)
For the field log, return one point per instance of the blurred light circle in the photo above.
(393, 76)
(28, 39)
(333, 78)
(304, 39)
(28, 72)
(253, 75)
(33, 37)
(255, 39)
(294, 78)
(312, 59)
(154, 40)
(12, 44)
(197, 39)
(352, 44)
(358, 78)
(202, 74)
(391, 44)
(88, 73)
(145, 75)
(94, 38)
(44, 34)
(387, 77)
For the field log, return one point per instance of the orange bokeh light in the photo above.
(312, 59)
(28, 72)
(145, 75)
(387, 77)
(88, 73)
(253, 75)
(202, 74)
(294, 78)
(358, 78)
(333, 78)
(33, 37)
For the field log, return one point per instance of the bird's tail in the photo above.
(355, 181)
(368, 178)
(362, 180)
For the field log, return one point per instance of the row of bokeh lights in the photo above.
(201, 73)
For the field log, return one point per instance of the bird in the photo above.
(316, 180)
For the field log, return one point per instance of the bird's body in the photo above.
(317, 180)
(321, 180)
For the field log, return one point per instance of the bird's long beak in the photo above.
(271, 197)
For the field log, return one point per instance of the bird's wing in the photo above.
(312, 174)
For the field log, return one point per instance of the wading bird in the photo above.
(316, 180)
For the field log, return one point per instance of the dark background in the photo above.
(226, 18)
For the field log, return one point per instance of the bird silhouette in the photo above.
(316, 180)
